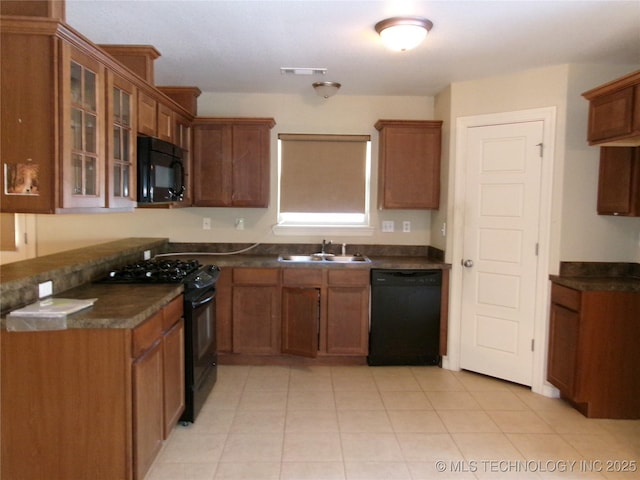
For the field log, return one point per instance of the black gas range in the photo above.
(199, 282)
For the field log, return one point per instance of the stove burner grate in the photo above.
(154, 271)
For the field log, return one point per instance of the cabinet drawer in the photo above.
(567, 297)
(172, 312)
(255, 276)
(306, 276)
(349, 277)
(147, 333)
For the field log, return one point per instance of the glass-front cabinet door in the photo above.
(121, 142)
(83, 136)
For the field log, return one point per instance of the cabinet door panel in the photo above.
(256, 320)
(121, 142)
(300, 321)
(224, 318)
(212, 168)
(409, 164)
(619, 181)
(182, 136)
(147, 114)
(610, 115)
(563, 349)
(83, 117)
(347, 320)
(28, 150)
(148, 415)
(251, 174)
(165, 123)
(173, 362)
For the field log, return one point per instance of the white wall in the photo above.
(585, 235)
(531, 89)
(293, 114)
(576, 231)
(439, 226)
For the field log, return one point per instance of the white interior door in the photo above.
(500, 249)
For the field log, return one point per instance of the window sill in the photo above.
(342, 230)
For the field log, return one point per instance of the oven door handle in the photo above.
(207, 299)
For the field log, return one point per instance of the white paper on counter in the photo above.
(53, 307)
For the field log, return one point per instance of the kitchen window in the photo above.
(323, 183)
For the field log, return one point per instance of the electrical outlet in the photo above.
(387, 226)
(45, 289)
(206, 223)
(406, 226)
(240, 223)
(147, 254)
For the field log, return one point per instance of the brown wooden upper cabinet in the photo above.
(614, 112)
(121, 142)
(155, 119)
(54, 119)
(69, 121)
(231, 162)
(619, 181)
(409, 164)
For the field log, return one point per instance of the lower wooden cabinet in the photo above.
(593, 356)
(325, 312)
(173, 375)
(90, 403)
(256, 311)
(148, 414)
(300, 320)
(306, 312)
(347, 312)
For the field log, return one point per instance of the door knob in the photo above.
(467, 263)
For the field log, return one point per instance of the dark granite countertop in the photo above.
(601, 276)
(125, 306)
(118, 305)
(78, 259)
(19, 280)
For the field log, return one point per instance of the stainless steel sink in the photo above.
(324, 258)
(348, 259)
(299, 258)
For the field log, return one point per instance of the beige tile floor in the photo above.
(390, 423)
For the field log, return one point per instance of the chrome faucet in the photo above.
(324, 245)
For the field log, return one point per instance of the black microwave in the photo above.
(160, 171)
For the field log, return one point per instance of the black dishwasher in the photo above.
(405, 317)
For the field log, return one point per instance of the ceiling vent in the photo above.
(302, 71)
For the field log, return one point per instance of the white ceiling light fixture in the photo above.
(302, 71)
(403, 33)
(326, 89)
